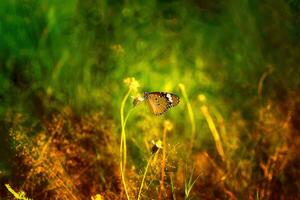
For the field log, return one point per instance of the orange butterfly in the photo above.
(158, 102)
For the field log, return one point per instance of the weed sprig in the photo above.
(132, 86)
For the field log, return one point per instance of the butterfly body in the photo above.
(160, 102)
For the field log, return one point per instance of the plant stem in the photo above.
(163, 163)
(191, 115)
(213, 130)
(123, 147)
(144, 176)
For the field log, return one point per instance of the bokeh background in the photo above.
(62, 71)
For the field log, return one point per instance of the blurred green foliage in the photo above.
(77, 53)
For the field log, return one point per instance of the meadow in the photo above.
(70, 72)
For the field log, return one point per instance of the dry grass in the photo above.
(70, 158)
(75, 157)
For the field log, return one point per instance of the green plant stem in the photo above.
(144, 176)
(188, 186)
(127, 116)
(123, 147)
(173, 189)
(191, 114)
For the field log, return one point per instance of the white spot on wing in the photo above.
(169, 98)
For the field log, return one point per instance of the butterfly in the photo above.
(158, 102)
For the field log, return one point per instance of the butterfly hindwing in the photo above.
(160, 102)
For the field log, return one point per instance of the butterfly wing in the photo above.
(173, 98)
(160, 102)
(157, 103)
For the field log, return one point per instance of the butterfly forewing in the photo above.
(160, 102)
(157, 103)
(175, 100)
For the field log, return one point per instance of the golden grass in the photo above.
(214, 131)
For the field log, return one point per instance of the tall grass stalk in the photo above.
(163, 164)
(123, 147)
(167, 127)
(132, 85)
(223, 133)
(173, 188)
(191, 114)
(188, 185)
(213, 130)
(144, 176)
